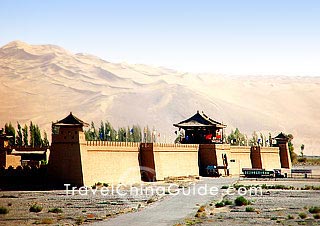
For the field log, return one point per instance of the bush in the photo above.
(290, 217)
(35, 208)
(219, 204)
(47, 221)
(227, 202)
(151, 200)
(201, 209)
(314, 209)
(316, 216)
(302, 215)
(273, 218)
(79, 220)
(241, 201)
(3, 210)
(250, 209)
(302, 159)
(55, 210)
(225, 187)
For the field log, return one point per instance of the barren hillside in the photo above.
(44, 83)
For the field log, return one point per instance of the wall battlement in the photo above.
(112, 143)
(74, 160)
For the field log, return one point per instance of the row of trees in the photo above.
(241, 139)
(25, 136)
(106, 132)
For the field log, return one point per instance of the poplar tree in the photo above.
(25, 135)
(45, 139)
(19, 136)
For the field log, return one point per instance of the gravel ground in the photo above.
(271, 208)
(79, 208)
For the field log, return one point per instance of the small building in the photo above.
(200, 129)
(6, 158)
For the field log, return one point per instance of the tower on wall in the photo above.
(68, 138)
(282, 143)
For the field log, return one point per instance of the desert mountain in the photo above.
(43, 83)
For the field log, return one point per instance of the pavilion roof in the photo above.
(71, 120)
(199, 120)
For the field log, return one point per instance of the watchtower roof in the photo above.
(200, 120)
(71, 120)
(281, 136)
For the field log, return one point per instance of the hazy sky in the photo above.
(279, 37)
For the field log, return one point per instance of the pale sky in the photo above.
(235, 37)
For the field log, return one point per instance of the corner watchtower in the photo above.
(65, 154)
(282, 143)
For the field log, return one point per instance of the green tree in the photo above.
(293, 155)
(254, 139)
(129, 134)
(91, 133)
(262, 139)
(102, 135)
(38, 142)
(148, 135)
(45, 139)
(236, 138)
(110, 131)
(25, 135)
(137, 135)
(270, 140)
(19, 138)
(302, 149)
(10, 131)
(31, 132)
(122, 134)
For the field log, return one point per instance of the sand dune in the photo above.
(43, 83)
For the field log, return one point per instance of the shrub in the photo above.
(302, 215)
(225, 187)
(241, 201)
(302, 159)
(227, 202)
(316, 216)
(3, 210)
(280, 186)
(47, 221)
(219, 204)
(79, 220)
(250, 209)
(201, 209)
(290, 217)
(151, 200)
(273, 218)
(55, 210)
(314, 209)
(199, 215)
(35, 208)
